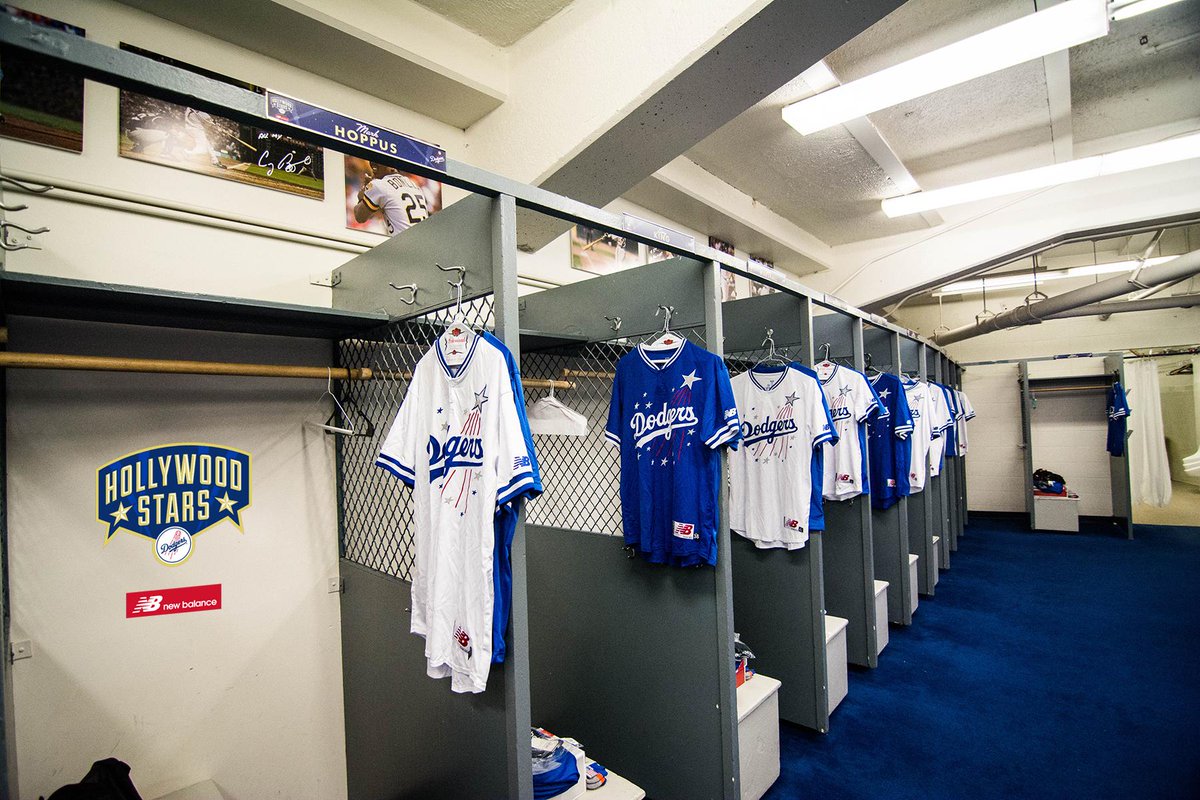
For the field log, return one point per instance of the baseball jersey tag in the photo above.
(455, 344)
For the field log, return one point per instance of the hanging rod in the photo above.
(164, 366)
(586, 373)
(1089, 388)
(157, 365)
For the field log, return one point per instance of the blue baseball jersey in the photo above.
(506, 517)
(671, 412)
(890, 442)
(816, 507)
(951, 433)
(1118, 414)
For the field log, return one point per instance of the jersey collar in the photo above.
(456, 373)
(660, 366)
(832, 372)
(773, 385)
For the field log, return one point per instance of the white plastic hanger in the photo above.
(549, 416)
(667, 338)
(825, 367)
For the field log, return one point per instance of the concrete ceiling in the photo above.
(501, 22)
(827, 184)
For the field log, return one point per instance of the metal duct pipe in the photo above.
(1182, 267)
(1120, 307)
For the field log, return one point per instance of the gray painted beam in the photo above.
(516, 663)
(754, 60)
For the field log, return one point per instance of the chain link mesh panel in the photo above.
(376, 507)
(581, 474)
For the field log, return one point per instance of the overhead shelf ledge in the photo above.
(23, 294)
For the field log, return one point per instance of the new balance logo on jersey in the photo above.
(793, 524)
(458, 451)
(146, 604)
(647, 427)
(521, 462)
(768, 429)
(463, 639)
(685, 530)
(844, 477)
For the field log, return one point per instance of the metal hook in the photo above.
(29, 187)
(12, 248)
(826, 346)
(10, 209)
(462, 275)
(667, 311)
(771, 340)
(411, 287)
(5, 225)
(616, 323)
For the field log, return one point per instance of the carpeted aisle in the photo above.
(1047, 666)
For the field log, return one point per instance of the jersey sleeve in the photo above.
(819, 420)
(518, 392)
(866, 402)
(516, 465)
(968, 409)
(903, 424)
(612, 429)
(373, 196)
(719, 423)
(400, 449)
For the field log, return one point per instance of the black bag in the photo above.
(106, 780)
(1049, 482)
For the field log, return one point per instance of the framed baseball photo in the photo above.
(381, 199)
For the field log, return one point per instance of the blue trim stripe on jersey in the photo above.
(515, 487)
(661, 365)
(616, 440)
(822, 438)
(397, 468)
(724, 435)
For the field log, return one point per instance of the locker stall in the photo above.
(922, 513)
(889, 527)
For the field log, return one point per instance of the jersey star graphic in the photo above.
(122, 513)
(791, 398)
(885, 394)
(689, 379)
(226, 504)
(480, 398)
(663, 462)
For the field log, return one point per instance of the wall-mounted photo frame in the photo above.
(40, 102)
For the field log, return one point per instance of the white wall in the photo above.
(995, 461)
(249, 695)
(1179, 417)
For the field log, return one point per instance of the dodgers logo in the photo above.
(649, 426)
(458, 451)
(171, 494)
(768, 429)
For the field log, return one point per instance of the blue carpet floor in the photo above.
(1047, 666)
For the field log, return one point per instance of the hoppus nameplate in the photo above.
(352, 131)
(172, 493)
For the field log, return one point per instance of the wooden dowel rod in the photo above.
(108, 364)
(3, 335)
(584, 373)
(528, 383)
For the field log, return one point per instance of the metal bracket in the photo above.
(29, 187)
(616, 323)
(329, 282)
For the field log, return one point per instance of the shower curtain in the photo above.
(1149, 469)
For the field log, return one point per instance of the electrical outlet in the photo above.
(22, 649)
(336, 586)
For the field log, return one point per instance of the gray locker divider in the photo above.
(920, 505)
(962, 471)
(937, 485)
(889, 527)
(620, 649)
(950, 469)
(779, 595)
(849, 558)
(408, 735)
(1119, 466)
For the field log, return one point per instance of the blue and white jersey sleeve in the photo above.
(613, 428)
(516, 468)
(719, 423)
(866, 402)
(820, 422)
(903, 424)
(401, 447)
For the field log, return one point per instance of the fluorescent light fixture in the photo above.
(1150, 155)
(1057, 28)
(975, 286)
(1124, 9)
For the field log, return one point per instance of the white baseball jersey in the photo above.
(783, 418)
(940, 418)
(401, 199)
(917, 393)
(968, 414)
(851, 400)
(457, 440)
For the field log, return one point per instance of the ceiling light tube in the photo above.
(1026, 278)
(1033, 36)
(1150, 155)
(1124, 9)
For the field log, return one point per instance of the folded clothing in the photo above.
(596, 775)
(554, 774)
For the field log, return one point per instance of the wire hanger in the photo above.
(825, 347)
(666, 339)
(771, 355)
(456, 317)
(329, 425)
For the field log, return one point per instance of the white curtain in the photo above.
(1149, 469)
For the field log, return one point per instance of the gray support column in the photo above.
(714, 336)
(921, 512)
(1026, 434)
(889, 527)
(951, 467)
(1119, 466)
(516, 664)
(941, 508)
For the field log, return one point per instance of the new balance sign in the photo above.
(156, 602)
